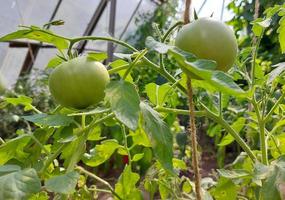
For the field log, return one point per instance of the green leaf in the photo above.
(160, 94)
(124, 100)
(152, 44)
(205, 70)
(224, 190)
(126, 185)
(19, 184)
(49, 120)
(179, 164)
(54, 62)
(101, 153)
(40, 196)
(233, 174)
(226, 140)
(95, 134)
(97, 56)
(13, 149)
(259, 25)
(64, 184)
(21, 100)
(38, 34)
(160, 136)
(273, 186)
(140, 138)
(5, 169)
(119, 63)
(237, 126)
(137, 157)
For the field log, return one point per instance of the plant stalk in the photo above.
(81, 169)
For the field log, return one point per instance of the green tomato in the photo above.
(209, 39)
(79, 83)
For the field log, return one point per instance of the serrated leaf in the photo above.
(19, 184)
(5, 169)
(13, 149)
(160, 136)
(38, 34)
(205, 70)
(21, 100)
(259, 25)
(237, 126)
(224, 190)
(49, 120)
(137, 157)
(101, 153)
(272, 188)
(179, 164)
(95, 134)
(124, 100)
(126, 185)
(160, 47)
(118, 63)
(233, 174)
(64, 184)
(140, 138)
(39, 196)
(160, 94)
(97, 56)
(54, 62)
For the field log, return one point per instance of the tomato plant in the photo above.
(79, 82)
(67, 152)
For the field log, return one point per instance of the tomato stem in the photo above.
(82, 170)
(262, 136)
(126, 145)
(169, 31)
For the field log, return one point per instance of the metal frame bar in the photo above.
(92, 24)
(112, 18)
(24, 44)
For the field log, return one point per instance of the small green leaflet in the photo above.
(38, 34)
(237, 126)
(162, 48)
(64, 184)
(126, 186)
(233, 174)
(14, 149)
(54, 62)
(21, 100)
(49, 120)
(97, 56)
(101, 153)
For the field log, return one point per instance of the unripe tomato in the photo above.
(79, 83)
(209, 39)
